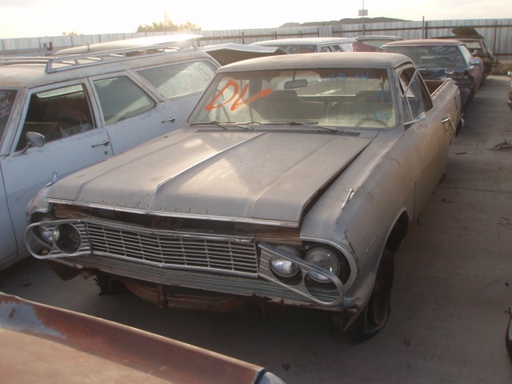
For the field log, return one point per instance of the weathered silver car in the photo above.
(293, 182)
(60, 114)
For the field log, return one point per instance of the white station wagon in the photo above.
(60, 114)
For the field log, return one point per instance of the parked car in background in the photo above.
(59, 114)
(293, 182)
(231, 52)
(508, 335)
(318, 44)
(222, 53)
(438, 58)
(377, 40)
(509, 99)
(135, 46)
(478, 48)
(71, 347)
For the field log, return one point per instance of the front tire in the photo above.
(375, 315)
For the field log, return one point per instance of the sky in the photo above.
(42, 18)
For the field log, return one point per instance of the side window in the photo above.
(415, 98)
(178, 80)
(7, 97)
(121, 99)
(346, 47)
(57, 113)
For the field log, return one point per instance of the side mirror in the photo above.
(475, 61)
(34, 139)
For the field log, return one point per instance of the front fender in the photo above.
(39, 204)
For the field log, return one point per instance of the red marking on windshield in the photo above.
(237, 99)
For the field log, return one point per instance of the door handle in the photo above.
(171, 120)
(452, 128)
(104, 143)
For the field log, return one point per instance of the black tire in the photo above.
(508, 336)
(375, 315)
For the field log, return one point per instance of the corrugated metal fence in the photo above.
(497, 35)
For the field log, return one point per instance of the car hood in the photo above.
(235, 176)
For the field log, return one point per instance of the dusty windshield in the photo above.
(296, 48)
(7, 97)
(339, 97)
(433, 57)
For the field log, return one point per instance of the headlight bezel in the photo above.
(47, 237)
(338, 264)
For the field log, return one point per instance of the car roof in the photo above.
(149, 42)
(25, 72)
(415, 42)
(378, 37)
(307, 40)
(463, 37)
(320, 60)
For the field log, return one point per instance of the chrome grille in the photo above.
(174, 249)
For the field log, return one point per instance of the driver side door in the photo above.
(73, 140)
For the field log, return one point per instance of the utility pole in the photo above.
(363, 13)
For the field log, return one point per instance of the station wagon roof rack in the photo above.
(78, 57)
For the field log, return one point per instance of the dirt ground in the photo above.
(452, 291)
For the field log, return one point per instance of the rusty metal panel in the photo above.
(48, 343)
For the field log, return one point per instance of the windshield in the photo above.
(7, 97)
(433, 57)
(339, 97)
(296, 48)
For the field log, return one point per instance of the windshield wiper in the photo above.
(227, 124)
(247, 126)
(315, 123)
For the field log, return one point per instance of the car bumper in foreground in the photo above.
(48, 343)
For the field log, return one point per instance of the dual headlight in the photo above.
(65, 236)
(320, 256)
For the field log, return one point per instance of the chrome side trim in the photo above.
(246, 220)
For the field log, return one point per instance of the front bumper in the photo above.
(218, 263)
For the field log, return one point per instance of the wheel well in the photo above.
(398, 232)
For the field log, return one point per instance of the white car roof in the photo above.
(306, 41)
(25, 72)
(320, 60)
